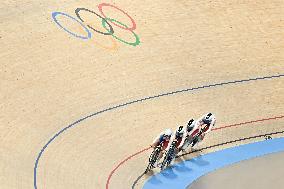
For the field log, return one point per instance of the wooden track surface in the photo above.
(50, 79)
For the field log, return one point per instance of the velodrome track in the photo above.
(83, 96)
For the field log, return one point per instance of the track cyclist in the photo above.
(162, 139)
(205, 124)
(191, 130)
(173, 147)
(179, 135)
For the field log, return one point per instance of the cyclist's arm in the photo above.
(157, 140)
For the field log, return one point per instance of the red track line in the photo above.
(128, 158)
(215, 129)
(248, 122)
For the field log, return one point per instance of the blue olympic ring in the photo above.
(54, 14)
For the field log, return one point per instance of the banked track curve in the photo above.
(138, 101)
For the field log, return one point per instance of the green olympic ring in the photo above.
(137, 41)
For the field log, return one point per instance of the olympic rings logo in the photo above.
(107, 24)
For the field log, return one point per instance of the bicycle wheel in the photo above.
(153, 158)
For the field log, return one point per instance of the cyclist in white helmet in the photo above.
(162, 139)
(205, 123)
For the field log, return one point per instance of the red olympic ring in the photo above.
(100, 6)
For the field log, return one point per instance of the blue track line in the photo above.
(141, 100)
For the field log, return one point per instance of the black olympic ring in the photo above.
(110, 32)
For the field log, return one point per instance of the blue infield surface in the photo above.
(181, 175)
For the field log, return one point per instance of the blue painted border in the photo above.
(183, 174)
(140, 101)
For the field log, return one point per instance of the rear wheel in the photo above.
(164, 163)
(170, 155)
(153, 158)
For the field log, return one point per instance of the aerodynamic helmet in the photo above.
(208, 118)
(190, 125)
(179, 131)
(168, 133)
